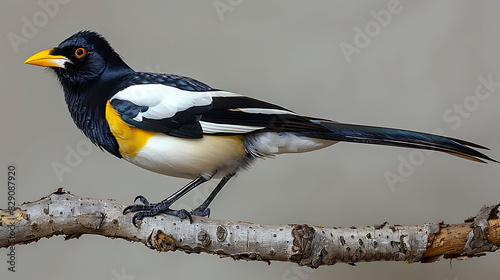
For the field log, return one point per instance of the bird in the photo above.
(178, 126)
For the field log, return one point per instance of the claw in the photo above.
(142, 199)
(135, 207)
(181, 213)
(137, 216)
(201, 212)
(147, 209)
(127, 208)
(143, 213)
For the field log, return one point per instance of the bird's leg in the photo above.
(147, 209)
(203, 209)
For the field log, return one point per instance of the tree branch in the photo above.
(313, 246)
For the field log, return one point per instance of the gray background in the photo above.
(425, 60)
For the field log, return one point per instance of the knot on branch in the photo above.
(91, 220)
(161, 241)
(477, 241)
(12, 216)
(303, 236)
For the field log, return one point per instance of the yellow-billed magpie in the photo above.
(181, 127)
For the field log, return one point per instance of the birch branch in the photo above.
(62, 213)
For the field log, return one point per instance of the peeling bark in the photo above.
(64, 214)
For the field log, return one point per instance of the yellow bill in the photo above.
(46, 59)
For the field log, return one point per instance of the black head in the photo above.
(89, 71)
(81, 58)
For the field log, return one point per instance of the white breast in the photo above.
(189, 158)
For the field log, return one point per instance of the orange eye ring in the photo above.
(80, 52)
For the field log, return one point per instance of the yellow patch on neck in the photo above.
(130, 139)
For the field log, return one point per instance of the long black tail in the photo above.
(401, 138)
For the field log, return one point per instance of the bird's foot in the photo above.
(147, 209)
(201, 211)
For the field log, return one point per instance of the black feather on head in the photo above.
(88, 55)
(90, 76)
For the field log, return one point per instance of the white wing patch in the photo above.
(263, 111)
(223, 94)
(163, 101)
(213, 128)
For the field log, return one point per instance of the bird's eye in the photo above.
(80, 52)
